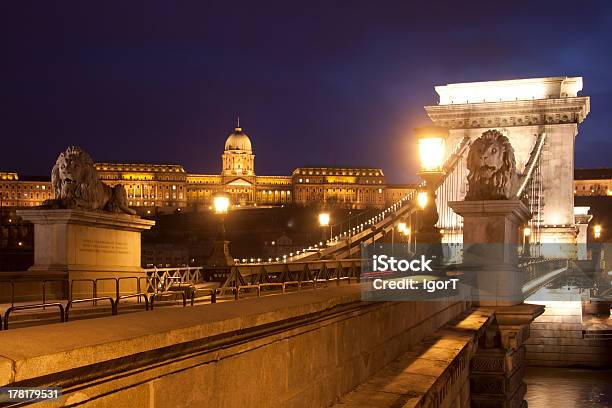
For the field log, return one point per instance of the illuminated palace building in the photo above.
(168, 187)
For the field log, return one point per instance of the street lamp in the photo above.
(221, 204)
(597, 232)
(431, 146)
(324, 223)
(422, 199)
(431, 140)
(526, 242)
(220, 255)
(597, 252)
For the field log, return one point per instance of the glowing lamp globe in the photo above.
(431, 142)
(324, 219)
(422, 199)
(401, 227)
(221, 203)
(597, 231)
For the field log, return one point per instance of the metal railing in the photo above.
(182, 284)
(93, 300)
(163, 278)
(36, 306)
(538, 272)
(239, 281)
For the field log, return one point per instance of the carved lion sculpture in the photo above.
(76, 184)
(492, 168)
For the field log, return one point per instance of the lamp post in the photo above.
(324, 223)
(526, 242)
(431, 146)
(401, 227)
(408, 234)
(220, 255)
(221, 204)
(597, 235)
(597, 232)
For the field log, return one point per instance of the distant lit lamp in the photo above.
(526, 242)
(401, 228)
(407, 233)
(597, 232)
(422, 199)
(324, 223)
(597, 252)
(220, 255)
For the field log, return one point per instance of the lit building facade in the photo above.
(168, 187)
(342, 186)
(593, 182)
(16, 191)
(148, 185)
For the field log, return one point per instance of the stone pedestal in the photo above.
(497, 369)
(77, 244)
(490, 248)
(220, 255)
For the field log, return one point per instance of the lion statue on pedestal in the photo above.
(492, 168)
(76, 184)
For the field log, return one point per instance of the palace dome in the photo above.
(238, 141)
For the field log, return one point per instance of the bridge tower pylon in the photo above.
(524, 110)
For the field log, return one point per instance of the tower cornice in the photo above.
(510, 113)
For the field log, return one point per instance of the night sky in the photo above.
(333, 83)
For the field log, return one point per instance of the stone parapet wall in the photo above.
(300, 350)
(557, 339)
(434, 373)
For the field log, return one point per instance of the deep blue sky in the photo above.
(339, 82)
